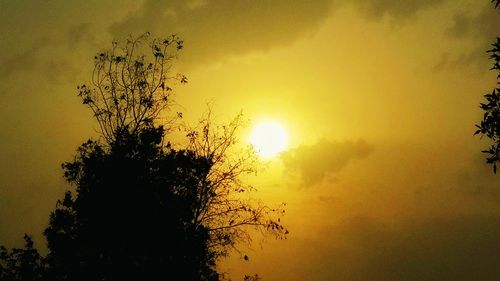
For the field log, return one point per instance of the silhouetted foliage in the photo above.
(24, 264)
(490, 125)
(140, 209)
(129, 88)
(251, 278)
(132, 214)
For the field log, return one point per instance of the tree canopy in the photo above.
(132, 214)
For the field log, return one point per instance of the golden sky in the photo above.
(383, 178)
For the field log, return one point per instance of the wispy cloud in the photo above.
(221, 28)
(396, 10)
(317, 162)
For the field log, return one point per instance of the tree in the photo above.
(490, 125)
(140, 209)
(127, 95)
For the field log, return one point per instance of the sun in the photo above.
(269, 138)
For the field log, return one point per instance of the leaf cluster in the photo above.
(490, 125)
(21, 264)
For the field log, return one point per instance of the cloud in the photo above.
(24, 61)
(55, 58)
(461, 26)
(318, 161)
(396, 10)
(45, 58)
(480, 30)
(484, 25)
(478, 181)
(220, 28)
(81, 34)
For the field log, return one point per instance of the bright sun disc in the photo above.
(269, 139)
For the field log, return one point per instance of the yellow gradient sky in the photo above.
(382, 176)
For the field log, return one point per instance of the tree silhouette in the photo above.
(24, 264)
(131, 216)
(139, 208)
(490, 125)
(130, 89)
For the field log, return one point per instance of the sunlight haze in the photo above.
(269, 138)
(372, 146)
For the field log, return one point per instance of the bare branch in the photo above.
(129, 90)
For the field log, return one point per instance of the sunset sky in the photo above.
(382, 176)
